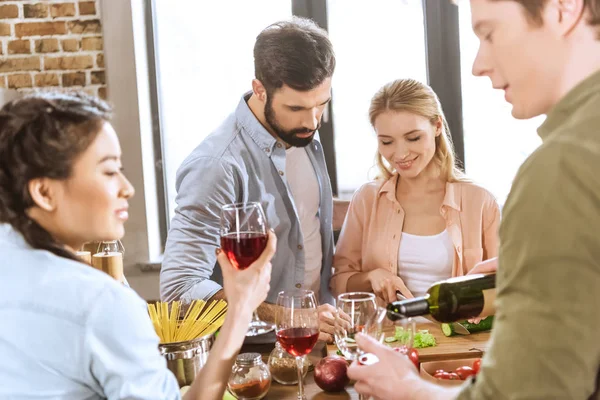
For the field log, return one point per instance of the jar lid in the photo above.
(248, 359)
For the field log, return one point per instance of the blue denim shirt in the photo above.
(68, 331)
(240, 162)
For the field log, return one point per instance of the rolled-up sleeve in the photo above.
(203, 186)
(544, 343)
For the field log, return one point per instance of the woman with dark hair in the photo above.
(69, 331)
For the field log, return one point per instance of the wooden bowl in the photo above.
(428, 370)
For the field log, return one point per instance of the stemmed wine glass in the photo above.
(243, 239)
(398, 333)
(354, 312)
(297, 321)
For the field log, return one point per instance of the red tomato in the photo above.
(413, 355)
(476, 365)
(453, 376)
(464, 372)
(442, 375)
(439, 371)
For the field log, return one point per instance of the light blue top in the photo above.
(68, 331)
(240, 162)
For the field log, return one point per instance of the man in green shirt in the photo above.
(545, 55)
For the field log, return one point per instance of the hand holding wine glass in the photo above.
(391, 376)
(243, 239)
(379, 368)
(248, 288)
(297, 327)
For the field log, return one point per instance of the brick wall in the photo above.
(51, 44)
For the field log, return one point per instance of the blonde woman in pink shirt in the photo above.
(421, 220)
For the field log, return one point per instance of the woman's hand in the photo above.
(247, 289)
(385, 284)
(485, 267)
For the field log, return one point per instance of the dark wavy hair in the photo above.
(41, 135)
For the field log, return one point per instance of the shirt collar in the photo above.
(451, 198)
(252, 126)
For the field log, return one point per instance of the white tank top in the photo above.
(424, 260)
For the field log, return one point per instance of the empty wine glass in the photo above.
(398, 334)
(354, 310)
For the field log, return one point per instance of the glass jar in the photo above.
(283, 366)
(250, 378)
(109, 258)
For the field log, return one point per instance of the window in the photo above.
(496, 144)
(205, 63)
(375, 42)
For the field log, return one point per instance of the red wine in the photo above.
(243, 248)
(298, 341)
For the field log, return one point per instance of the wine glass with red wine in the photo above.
(297, 321)
(243, 239)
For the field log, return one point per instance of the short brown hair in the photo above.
(296, 53)
(535, 8)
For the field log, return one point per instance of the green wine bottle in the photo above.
(455, 299)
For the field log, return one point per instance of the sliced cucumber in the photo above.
(484, 325)
(448, 330)
(390, 339)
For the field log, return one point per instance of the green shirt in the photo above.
(546, 338)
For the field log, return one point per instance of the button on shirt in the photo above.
(372, 231)
(231, 165)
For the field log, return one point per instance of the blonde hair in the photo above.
(418, 98)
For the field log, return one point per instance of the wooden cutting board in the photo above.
(448, 348)
(454, 347)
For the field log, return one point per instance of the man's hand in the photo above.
(393, 377)
(326, 322)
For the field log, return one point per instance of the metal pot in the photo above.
(185, 359)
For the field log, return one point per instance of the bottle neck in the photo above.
(408, 308)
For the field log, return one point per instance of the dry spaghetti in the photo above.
(201, 318)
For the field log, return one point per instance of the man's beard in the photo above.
(287, 136)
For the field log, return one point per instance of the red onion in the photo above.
(331, 374)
